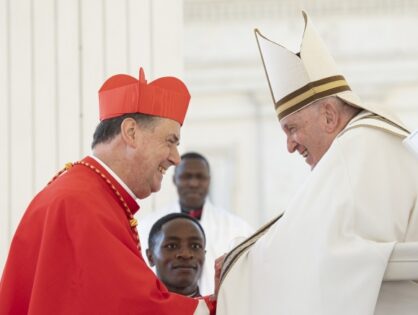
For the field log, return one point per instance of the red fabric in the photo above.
(211, 304)
(196, 213)
(74, 253)
(166, 97)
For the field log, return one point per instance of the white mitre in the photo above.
(298, 79)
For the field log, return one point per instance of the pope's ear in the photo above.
(150, 258)
(331, 116)
(129, 131)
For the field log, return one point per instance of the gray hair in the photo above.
(107, 129)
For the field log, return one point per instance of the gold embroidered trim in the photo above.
(309, 93)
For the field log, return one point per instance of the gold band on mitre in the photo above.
(310, 93)
(298, 79)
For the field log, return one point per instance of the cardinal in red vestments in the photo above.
(76, 249)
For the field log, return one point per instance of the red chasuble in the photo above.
(74, 253)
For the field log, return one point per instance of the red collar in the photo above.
(195, 213)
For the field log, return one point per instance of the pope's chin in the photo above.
(313, 163)
(309, 160)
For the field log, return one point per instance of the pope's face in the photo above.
(305, 132)
(179, 254)
(155, 151)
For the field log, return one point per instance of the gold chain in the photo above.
(132, 221)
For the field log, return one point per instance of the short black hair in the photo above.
(107, 129)
(193, 155)
(158, 225)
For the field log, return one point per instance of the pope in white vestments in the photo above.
(332, 251)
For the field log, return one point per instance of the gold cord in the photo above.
(132, 221)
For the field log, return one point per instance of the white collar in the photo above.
(118, 179)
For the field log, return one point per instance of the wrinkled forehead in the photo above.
(295, 117)
(308, 107)
(306, 114)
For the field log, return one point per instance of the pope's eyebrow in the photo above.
(285, 127)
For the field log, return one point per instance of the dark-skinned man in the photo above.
(176, 248)
(222, 228)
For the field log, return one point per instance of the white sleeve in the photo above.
(403, 263)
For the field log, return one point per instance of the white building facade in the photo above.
(54, 55)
